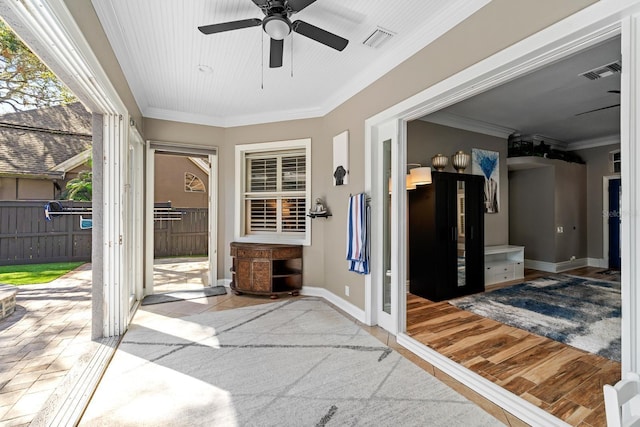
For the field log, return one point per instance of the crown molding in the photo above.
(595, 142)
(202, 119)
(466, 123)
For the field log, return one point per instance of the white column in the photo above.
(630, 224)
(115, 299)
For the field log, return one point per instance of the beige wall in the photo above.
(425, 140)
(498, 25)
(543, 199)
(169, 182)
(597, 160)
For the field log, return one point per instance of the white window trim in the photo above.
(240, 177)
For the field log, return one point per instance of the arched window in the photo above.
(193, 184)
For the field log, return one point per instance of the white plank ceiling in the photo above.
(163, 54)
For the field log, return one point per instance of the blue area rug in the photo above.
(579, 312)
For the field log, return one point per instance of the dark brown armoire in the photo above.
(446, 236)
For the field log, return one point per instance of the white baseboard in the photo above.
(556, 267)
(527, 412)
(343, 305)
(597, 262)
(224, 282)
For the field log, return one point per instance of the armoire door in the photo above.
(474, 234)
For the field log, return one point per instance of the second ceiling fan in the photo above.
(278, 26)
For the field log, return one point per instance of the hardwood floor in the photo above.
(562, 380)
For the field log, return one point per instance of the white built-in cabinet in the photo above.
(503, 263)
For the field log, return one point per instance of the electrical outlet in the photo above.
(346, 290)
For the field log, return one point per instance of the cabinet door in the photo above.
(474, 234)
(261, 275)
(243, 273)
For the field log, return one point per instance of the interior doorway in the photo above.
(614, 191)
(181, 218)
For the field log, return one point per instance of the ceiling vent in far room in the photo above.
(379, 37)
(603, 71)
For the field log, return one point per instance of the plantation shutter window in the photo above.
(275, 194)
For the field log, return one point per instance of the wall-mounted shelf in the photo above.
(319, 215)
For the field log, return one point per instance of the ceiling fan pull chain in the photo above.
(262, 63)
(292, 55)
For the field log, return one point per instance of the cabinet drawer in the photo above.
(490, 279)
(253, 253)
(499, 269)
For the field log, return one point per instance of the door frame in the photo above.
(135, 219)
(181, 149)
(592, 25)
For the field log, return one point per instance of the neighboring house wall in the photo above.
(169, 182)
(425, 140)
(26, 189)
(597, 160)
(35, 189)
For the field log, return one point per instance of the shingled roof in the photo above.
(34, 142)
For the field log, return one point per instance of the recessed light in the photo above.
(205, 69)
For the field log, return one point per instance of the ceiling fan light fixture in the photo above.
(276, 27)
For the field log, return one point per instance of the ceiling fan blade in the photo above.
(228, 26)
(298, 5)
(261, 3)
(598, 109)
(319, 35)
(275, 55)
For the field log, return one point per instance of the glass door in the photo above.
(387, 193)
(386, 221)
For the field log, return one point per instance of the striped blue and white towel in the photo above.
(357, 234)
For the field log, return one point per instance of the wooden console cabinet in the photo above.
(266, 269)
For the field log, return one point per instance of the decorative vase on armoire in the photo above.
(446, 237)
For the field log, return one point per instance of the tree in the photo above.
(80, 188)
(25, 82)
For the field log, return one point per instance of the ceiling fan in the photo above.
(278, 26)
(602, 108)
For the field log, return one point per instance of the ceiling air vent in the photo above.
(378, 37)
(603, 71)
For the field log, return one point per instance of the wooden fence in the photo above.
(187, 236)
(26, 237)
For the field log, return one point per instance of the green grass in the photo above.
(29, 274)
